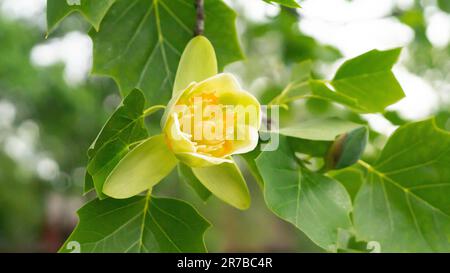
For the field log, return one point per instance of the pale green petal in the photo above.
(179, 142)
(201, 160)
(226, 182)
(197, 63)
(246, 104)
(140, 169)
(249, 143)
(220, 83)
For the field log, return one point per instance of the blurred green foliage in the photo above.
(68, 119)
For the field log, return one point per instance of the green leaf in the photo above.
(197, 63)
(313, 148)
(319, 129)
(287, 3)
(93, 11)
(352, 179)
(369, 81)
(348, 243)
(141, 169)
(348, 148)
(316, 204)
(124, 128)
(136, 46)
(131, 45)
(138, 224)
(364, 84)
(444, 5)
(226, 182)
(315, 137)
(188, 176)
(250, 160)
(405, 205)
(88, 183)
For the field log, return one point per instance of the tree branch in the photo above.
(200, 21)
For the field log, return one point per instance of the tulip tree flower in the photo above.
(209, 119)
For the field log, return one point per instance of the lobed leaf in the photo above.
(368, 81)
(314, 203)
(93, 11)
(404, 204)
(139, 42)
(365, 84)
(124, 128)
(138, 224)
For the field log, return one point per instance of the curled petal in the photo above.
(201, 160)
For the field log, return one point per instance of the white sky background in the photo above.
(353, 27)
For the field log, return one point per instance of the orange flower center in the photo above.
(207, 124)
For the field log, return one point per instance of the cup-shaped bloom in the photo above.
(209, 119)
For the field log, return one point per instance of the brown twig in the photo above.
(200, 21)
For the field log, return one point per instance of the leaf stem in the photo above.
(282, 98)
(366, 165)
(153, 109)
(142, 229)
(200, 19)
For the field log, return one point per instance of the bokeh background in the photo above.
(51, 108)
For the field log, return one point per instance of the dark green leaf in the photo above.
(136, 44)
(138, 224)
(93, 11)
(188, 176)
(124, 128)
